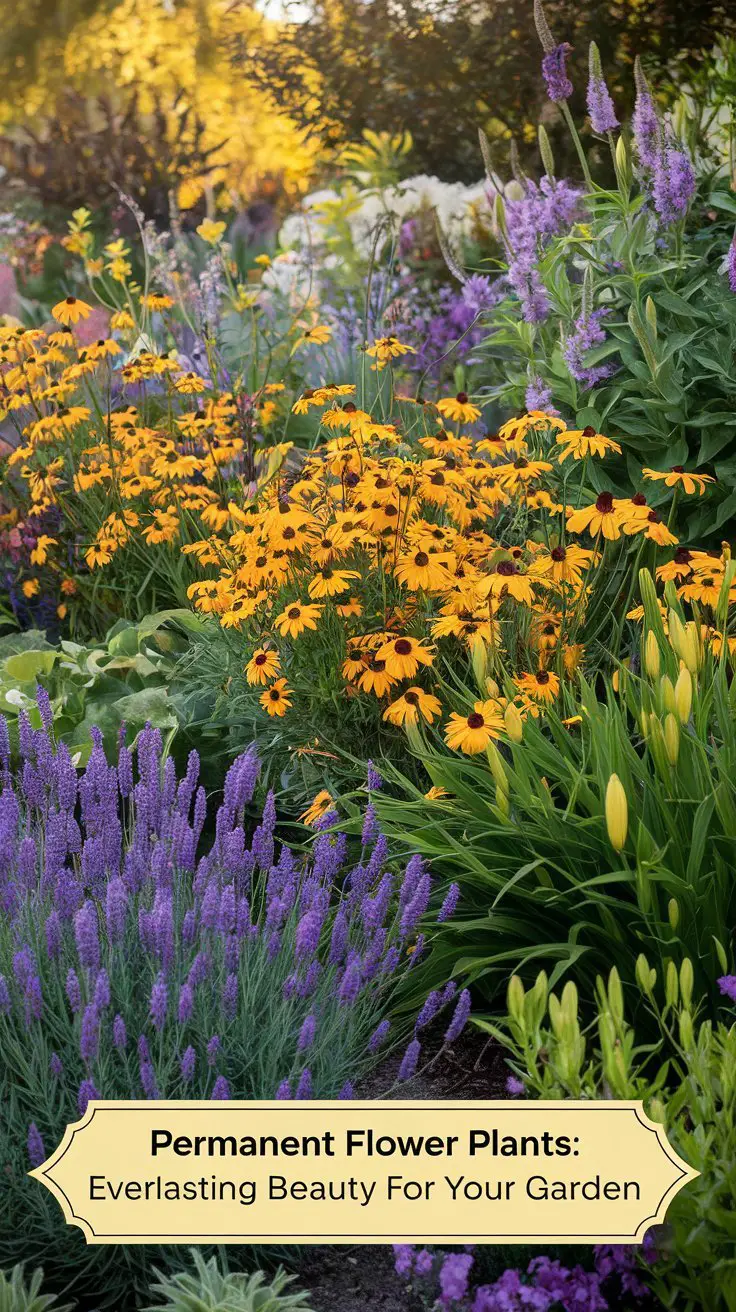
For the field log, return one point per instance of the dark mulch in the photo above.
(344, 1279)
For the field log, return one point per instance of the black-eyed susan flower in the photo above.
(413, 704)
(583, 442)
(276, 700)
(71, 310)
(678, 477)
(40, 553)
(458, 408)
(602, 517)
(296, 618)
(507, 581)
(542, 686)
(403, 656)
(472, 733)
(419, 569)
(263, 665)
(318, 335)
(388, 348)
(329, 582)
(320, 804)
(678, 568)
(375, 677)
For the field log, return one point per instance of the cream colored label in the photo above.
(364, 1172)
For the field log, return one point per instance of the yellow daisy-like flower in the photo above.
(403, 656)
(296, 618)
(388, 348)
(40, 552)
(412, 705)
(680, 478)
(210, 231)
(30, 588)
(189, 383)
(542, 686)
(602, 517)
(419, 569)
(329, 582)
(472, 733)
(582, 442)
(262, 666)
(317, 336)
(276, 699)
(71, 310)
(458, 408)
(319, 806)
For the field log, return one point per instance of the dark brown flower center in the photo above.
(558, 553)
(604, 503)
(294, 612)
(543, 677)
(411, 697)
(261, 658)
(475, 721)
(588, 431)
(402, 647)
(421, 559)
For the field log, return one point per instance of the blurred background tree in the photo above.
(141, 95)
(442, 68)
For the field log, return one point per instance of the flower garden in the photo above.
(367, 649)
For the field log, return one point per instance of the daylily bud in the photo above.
(686, 981)
(667, 693)
(617, 813)
(676, 630)
(673, 913)
(514, 723)
(686, 1030)
(692, 647)
(650, 311)
(684, 694)
(672, 738)
(656, 1111)
(651, 656)
(671, 984)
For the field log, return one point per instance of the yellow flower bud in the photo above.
(673, 913)
(515, 998)
(687, 979)
(651, 655)
(514, 723)
(684, 694)
(617, 813)
(692, 647)
(676, 631)
(672, 738)
(667, 693)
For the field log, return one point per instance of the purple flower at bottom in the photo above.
(554, 71)
(454, 1275)
(727, 985)
(119, 1034)
(283, 1093)
(36, 1150)
(515, 1088)
(56, 1066)
(424, 1263)
(403, 1259)
(347, 1092)
(375, 781)
(221, 1090)
(449, 906)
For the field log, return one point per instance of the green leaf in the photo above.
(26, 666)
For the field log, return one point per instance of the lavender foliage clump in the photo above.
(138, 958)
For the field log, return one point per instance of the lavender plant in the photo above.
(146, 952)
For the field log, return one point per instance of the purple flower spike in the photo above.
(449, 906)
(600, 105)
(87, 1093)
(515, 1088)
(727, 985)
(454, 1276)
(283, 1093)
(554, 70)
(460, 1017)
(673, 185)
(304, 1087)
(187, 1065)
(307, 1033)
(36, 1150)
(409, 1062)
(221, 1090)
